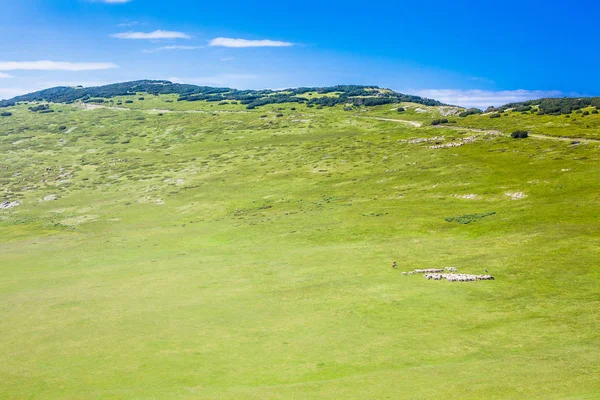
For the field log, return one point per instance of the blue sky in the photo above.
(461, 52)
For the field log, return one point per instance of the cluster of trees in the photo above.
(40, 108)
(551, 106)
(7, 103)
(470, 111)
(275, 99)
(354, 94)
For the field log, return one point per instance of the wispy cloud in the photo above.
(131, 23)
(5, 76)
(484, 98)
(53, 66)
(233, 80)
(158, 34)
(170, 48)
(240, 43)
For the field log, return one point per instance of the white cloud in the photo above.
(483, 98)
(239, 43)
(233, 80)
(5, 76)
(166, 48)
(53, 66)
(158, 34)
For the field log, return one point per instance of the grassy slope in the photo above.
(195, 255)
(576, 126)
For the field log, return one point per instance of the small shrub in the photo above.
(468, 218)
(5, 114)
(293, 108)
(495, 115)
(41, 107)
(439, 121)
(128, 101)
(519, 134)
(62, 128)
(279, 115)
(141, 98)
(586, 113)
(401, 109)
(46, 111)
(594, 111)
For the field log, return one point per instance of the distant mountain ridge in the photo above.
(353, 94)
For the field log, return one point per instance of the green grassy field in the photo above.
(213, 252)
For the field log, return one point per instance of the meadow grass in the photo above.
(247, 256)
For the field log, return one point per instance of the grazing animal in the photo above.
(394, 265)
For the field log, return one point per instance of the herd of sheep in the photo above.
(8, 204)
(450, 274)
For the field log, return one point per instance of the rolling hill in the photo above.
(240, 246)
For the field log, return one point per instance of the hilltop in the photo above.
(341, 94)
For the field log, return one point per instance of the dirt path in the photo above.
(402, 121)
(565, 139)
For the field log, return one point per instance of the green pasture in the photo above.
(214, 252)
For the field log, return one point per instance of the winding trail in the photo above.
(402, 121)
